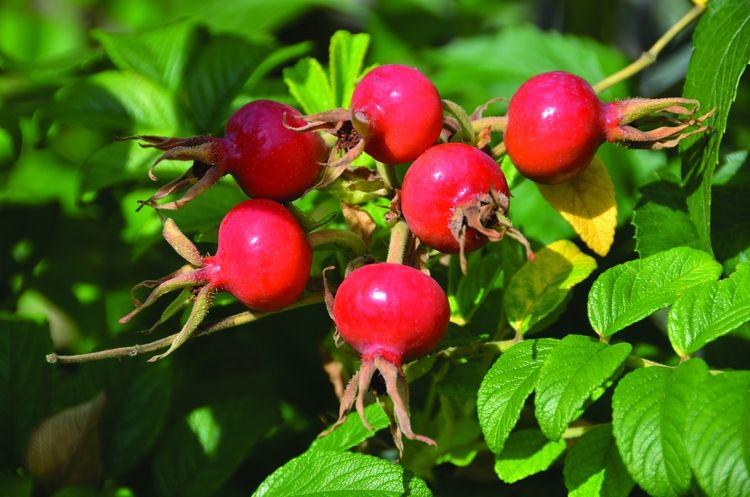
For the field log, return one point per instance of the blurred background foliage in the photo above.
(222, 414)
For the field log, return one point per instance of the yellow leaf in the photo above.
(540, 287)
(587, 203)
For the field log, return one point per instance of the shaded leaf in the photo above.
(650, 412)
(661, 219)
(159, 54)
(574, 374)
(506, 386)
(217, 73)
(329, 473)
(526, 453)
(359, 221)
(588, 203)
(25, 380)
(629, 292)
(539, 287)
(593, 467)
(202, 450)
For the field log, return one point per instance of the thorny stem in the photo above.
(400, 237)
(649, 56)
(134, 350)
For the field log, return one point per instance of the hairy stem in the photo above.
(649, 56)
(134, 350)
(400, 237)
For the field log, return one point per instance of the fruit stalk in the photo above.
(649, 56)
(138, 349)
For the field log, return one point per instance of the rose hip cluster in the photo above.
(454, 199)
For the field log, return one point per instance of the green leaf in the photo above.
(219, 70)
(114, 163)
(526, 453)
(346, 56)
(714, 435)
(15, 485)
(730, 231)
(593, 467)
(629, 292)
(485, 273)
(661, 219)
(25, 381)
(118, 101)
(203, 449)
(160, 54)
(137, 403)
(721, 53)
(326, 473)
(649, 414)
(574, 374)
(308, 83)
(352, 432)
(506, 386)
(539, 287)
(708, 311)
(525, 51)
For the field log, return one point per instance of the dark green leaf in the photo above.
(219, 70)
(15, 485)
(526, 453)
(25, 381)
(722, 51)
(629, 292)
(201, 450)
(506, 386)
(160, 54)
(326, 473)
(661, 219)
(714, 435)
(119, 101)
(593, 467)
(575, 373)
(650, 412)
(708, 311)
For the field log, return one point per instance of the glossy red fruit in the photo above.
(445, 178)
(398, 112)
(389, 313)
(391, 310)
(267, 159)
(555, 125)
(263, 259)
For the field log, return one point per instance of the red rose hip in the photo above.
(455, 198)
(388, 313)
(265, 158)
(263, 259)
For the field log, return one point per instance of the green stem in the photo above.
(134, 350)
(400, 237)
(649, 57)
(338, 238)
